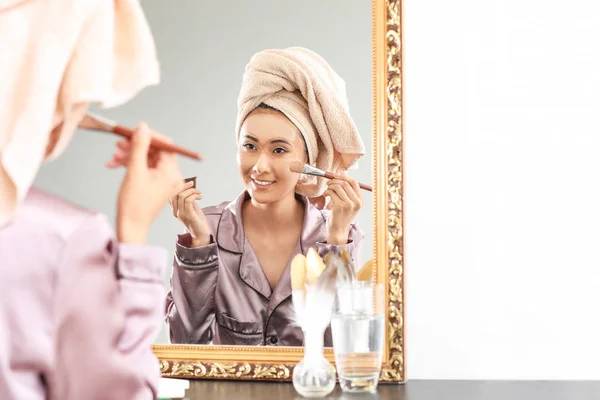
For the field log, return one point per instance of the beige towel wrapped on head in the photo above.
(57, 57)
(300, 83)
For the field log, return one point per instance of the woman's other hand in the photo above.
(187, 211)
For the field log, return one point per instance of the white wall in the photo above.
(503, 198)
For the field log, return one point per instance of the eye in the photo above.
(249, 146)
(280, 150)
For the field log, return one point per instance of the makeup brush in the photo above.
(301, 168)
(97, 123)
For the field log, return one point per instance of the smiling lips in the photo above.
(262, 184)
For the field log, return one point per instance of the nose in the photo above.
(262, 165)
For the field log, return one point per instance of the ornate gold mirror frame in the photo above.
(277, 363)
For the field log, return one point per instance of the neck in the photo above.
(281, 213)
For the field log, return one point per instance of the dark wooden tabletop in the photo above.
(412, 390)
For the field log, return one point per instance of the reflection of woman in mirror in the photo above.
(231, 273)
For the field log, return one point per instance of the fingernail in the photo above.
(144, 129)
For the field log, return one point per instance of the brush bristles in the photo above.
(91, 121)
(301, 168)
(310, 170)
(297, 166)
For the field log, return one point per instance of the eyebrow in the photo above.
(271, 141)
(251, 138)
(280, 141)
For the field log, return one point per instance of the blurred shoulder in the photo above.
(50, 214)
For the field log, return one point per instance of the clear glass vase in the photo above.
(314, 376)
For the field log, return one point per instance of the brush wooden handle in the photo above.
(157, 143)
(368, 188)
(365, 187)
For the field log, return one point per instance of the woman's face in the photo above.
(269, 143)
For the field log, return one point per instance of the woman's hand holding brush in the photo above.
(344, 193)
(150, 180)
(346, 202)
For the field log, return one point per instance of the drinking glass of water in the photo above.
(357, 328)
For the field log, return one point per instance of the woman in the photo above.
(231, 273)
(79, 305)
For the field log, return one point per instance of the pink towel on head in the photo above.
(300, 83)
(57, 57)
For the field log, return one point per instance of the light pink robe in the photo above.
(78, 311)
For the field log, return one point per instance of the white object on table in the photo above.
(172, 388)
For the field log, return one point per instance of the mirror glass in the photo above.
(236, 289)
